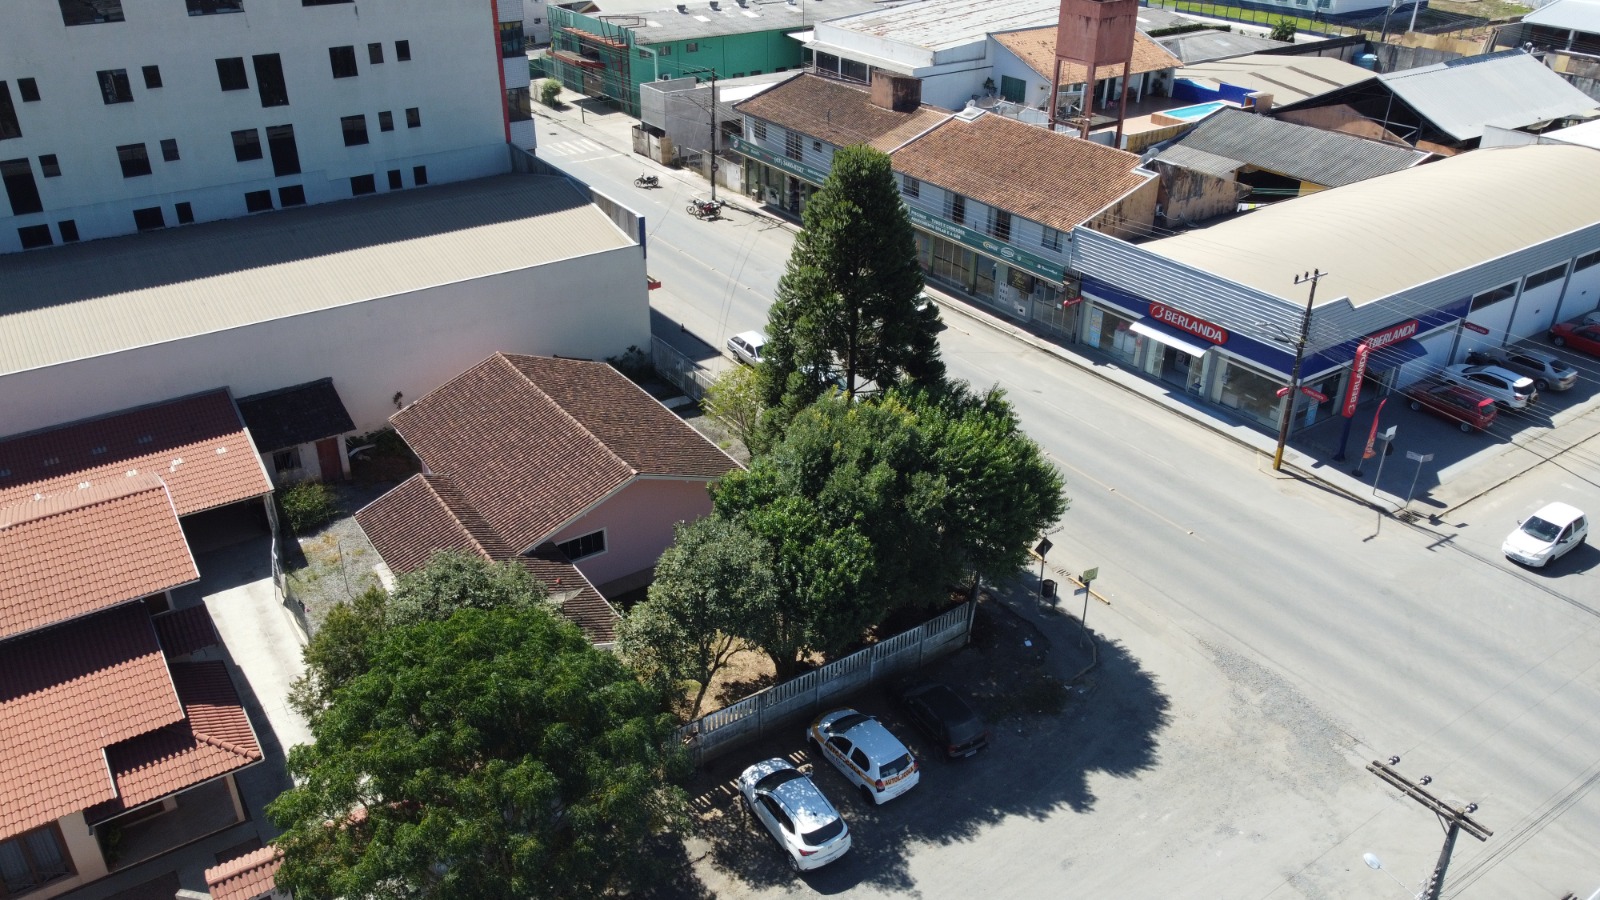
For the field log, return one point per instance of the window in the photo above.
(590, 544)
(152, 76)
(269, 80)
(791, 145)
(212, 7)
(394, 180)
(29, 89)
(285, 154)
(666, 50)
(85, 12)
(323, 2)
(246, 145)
(1488, 298)
(910, 187)
(1585, 261)
(185, 213)
(955, 207)
(286, 460)
(363, 184)
(169, 149)
(691, 47)
(1540, 279)
(1051, 239)
(375, 53)
(413, 117)
(758, 130)
(35, 236)
(355, 130)
(519, 104)
(292, 195)
(343, 60)
(230, 74)
(402, 51)
(48, 166)
(135, 160)
(257, 201)
(10, 127)
(149, 218)
(419, 175)
(1000, 224)
(20, 187)
(511, 41)
(114, 86)
(386, 121)
(68, 229)
(32, 859)
(1013, 89)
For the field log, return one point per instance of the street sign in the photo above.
(1314, 394)
(1388, 433)
(1283, 390)
(1416, 457)
(1089, 575)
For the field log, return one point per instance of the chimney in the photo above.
(901, 93)
(1260, 103)
(683, 8)
(715, 5)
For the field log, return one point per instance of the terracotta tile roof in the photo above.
(66, 693)
(186, 631)
(839, 113)
(1036, 48)
(426, 513)
(213, 739)
(291, 416)
(531, 442)
(79, 551)
(218, 463)
(1047, 176)
(246, 877)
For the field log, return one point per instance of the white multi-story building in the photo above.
(119, 116)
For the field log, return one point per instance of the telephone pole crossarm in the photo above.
(1433, 804)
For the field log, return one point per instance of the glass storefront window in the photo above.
(1110, 332)
(1248, 392)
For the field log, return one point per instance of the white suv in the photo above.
(865, 753)
(746, 347)
(795, 813)
(1509, 389)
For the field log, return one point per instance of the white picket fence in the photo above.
(679, 369)
(753, 717)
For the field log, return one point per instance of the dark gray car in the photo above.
(1549, 372)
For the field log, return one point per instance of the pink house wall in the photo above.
(638, 521)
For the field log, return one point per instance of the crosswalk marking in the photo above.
(571, 147)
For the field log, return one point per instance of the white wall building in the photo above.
(117, 116)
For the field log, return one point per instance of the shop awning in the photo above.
(1171, 337)
(1396, 354)
(803, 37)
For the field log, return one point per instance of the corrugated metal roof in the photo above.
(1327, 158)
(1510, 89)
(82, 300)
(1199, 160)
(1571, 15)
(942, 24)
(1385, 235)
(1585, 135)
(665, 25)
(1204, 46)
(1289, 79)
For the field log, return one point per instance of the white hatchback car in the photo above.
(796, 814)
(865, 753)
(1547, 535)
(746, 346)
(1509, 389)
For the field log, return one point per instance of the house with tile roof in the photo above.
(121, 733)
(1024, 64)
(252, 876)
(564, 466)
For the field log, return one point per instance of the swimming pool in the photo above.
(1198, 111)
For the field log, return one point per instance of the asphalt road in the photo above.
(1265, 638)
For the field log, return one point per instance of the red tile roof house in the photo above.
(562, 464)
(115, 744)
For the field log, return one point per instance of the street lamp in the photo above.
(1040, 550)
(1373, 862)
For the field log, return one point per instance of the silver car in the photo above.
(1509, 389)
(1549, 372)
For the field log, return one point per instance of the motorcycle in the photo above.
(705, 209)
(647, 181)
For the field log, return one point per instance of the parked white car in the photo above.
(1547, 535)
(795, 813)
(746, 347)
(865, 753)
(1509, 389)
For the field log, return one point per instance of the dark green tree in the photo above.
(493, 754)
(715, 578)
(847, 302)
(338, 652)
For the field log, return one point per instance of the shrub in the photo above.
(549, 91)
(307, 505)
(634, 364)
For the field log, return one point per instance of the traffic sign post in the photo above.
(1388, 443)
(1419, 459)
(1088, 577)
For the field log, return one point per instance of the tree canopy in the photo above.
(847, 301)
(490, 754)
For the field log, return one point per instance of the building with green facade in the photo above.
(608, 48)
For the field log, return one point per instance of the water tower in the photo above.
(1094, 34)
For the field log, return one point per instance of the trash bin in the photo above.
(1048, 589)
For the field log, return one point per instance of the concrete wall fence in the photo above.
(752, 718)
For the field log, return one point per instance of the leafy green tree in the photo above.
(549, 90)
(715, 578)
(493, 754)
(338, 652)
(1284, 30)
(847, 302)
(454, 580)
(734, 399)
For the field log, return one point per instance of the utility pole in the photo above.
(713, 169)
(1454, 820)
(1312, 276)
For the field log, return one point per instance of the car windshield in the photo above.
(895, 767)
(783, 776)
(824, 834)
(1539, 528)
